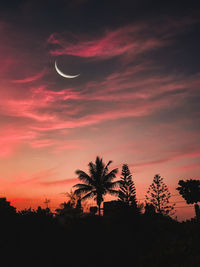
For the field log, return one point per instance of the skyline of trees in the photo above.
(100, 182)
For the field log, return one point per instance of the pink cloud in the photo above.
(92, 119)
(36, 104)
(55, 144)
(130, 40)
(10, 139)
(49, 110)
(41, 143)
(134, 83)
(27, 108)
(67, 145)
(60, 182)
(53, 96)
(6, 150)
(31, 78)
(188, 167)
(111, 44)
(35, 178)
(143, 108)
(142, 86)
(132, 91)
(170, 158)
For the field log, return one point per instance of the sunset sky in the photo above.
(136, 100)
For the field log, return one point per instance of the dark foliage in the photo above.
(34, 240)
(149, 209)
(158, 195)
(97, 183)
(127, 191)
(68, 211)
(39, 238)
(189, 190)
(6, 210)
(69, 236)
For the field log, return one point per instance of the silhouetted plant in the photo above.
(26, 212)
(149, 209)
(98, 182)
(72, 197)
(5, 208)
(93, 210)
(65, 208)
(158, 195)
(140, 206)
(67, 212)
(43, 212)
(127, 191)
(190, 191)
(75, 200)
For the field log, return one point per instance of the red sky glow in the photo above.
(136, 101)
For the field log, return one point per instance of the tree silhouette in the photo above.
(149, 209)
(190, 191)
(74, 199)
(67, 212)
(43, 212)
(97, 183)
(65, 208)
(6, 209)
(159, 195)
(127, 191)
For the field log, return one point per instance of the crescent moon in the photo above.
(63, 74)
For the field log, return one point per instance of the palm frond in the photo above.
(83, 186)
(106, 168)
(113, 192)
(100, 167)
(92, 169)
(111, 175)
(109, 162)
(89, 195)
(82, 189)
(99, 161)
(110, 185)
(98, 181)
(83, 176)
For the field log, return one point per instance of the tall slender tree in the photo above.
(159, 195)
(97, 183)
(127, 191)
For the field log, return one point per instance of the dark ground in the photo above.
(139, 240)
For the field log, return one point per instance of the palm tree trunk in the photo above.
(99, 208)
(99, 200)
(197, 212)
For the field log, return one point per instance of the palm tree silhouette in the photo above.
(98, 182)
